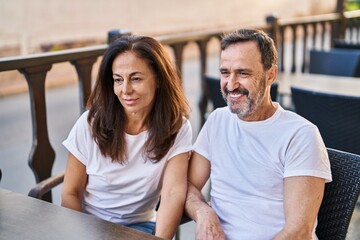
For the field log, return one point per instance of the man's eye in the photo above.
(244, 74)
(224, 74)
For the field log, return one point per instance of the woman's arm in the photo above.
(74, 184)
(173, 196)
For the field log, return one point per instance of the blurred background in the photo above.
(31, 26)
(35, 26)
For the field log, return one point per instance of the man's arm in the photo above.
(207, 223)
(302, 200)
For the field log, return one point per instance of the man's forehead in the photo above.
(241, 51)
(241, 47)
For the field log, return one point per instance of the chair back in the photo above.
(336, 116)
(340, 196)
(214, 93)
(215, 96)
(346, 44)
(338, 62)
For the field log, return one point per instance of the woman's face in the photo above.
(134, 84)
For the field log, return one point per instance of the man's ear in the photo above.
(272, 74)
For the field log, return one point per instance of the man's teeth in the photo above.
(235, 94)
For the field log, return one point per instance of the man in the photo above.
(267, 166)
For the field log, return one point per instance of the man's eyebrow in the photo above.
(235, 70)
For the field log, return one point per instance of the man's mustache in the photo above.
(237, 90)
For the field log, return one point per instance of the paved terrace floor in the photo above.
(63, 110)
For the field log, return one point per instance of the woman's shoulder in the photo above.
(85, 114)
(186, 125)
(83, 117)
(82, 120)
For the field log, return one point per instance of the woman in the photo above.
(133, 143)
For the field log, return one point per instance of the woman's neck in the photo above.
(135, 125)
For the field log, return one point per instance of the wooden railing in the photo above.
(293, 37)
(311, 32)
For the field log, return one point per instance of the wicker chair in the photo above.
(340, 196)
(346, 44)
(336, 116)
(339, 62)
(214, 93)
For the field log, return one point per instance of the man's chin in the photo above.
(238, 110)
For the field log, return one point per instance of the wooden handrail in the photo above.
(18, 62)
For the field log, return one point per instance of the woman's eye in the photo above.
(118, 81)
(135, 79)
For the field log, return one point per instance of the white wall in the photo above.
(29, 23)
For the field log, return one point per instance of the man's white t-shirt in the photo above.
(249, 161)
(122, 193)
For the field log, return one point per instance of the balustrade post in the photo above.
(203, 100)
(278, 37)
(178, 49)
(304, 50)
(339, 27)
(272, 20)
(293, 58)
(83, 68)
(42, 155)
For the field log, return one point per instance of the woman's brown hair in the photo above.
(107, 117)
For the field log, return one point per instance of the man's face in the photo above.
(243, 80)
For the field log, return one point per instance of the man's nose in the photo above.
(232, 84)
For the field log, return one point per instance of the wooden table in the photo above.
(321, 83)
(23, 217)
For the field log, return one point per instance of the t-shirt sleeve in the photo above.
(202, 143)
(77, 142)
(307, 155)
(183, 140)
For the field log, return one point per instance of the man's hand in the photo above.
(208, 225)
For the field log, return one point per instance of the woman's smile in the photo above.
(130, 101)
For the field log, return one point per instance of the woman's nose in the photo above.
(127, 88)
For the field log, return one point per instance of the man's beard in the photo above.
(246, 106)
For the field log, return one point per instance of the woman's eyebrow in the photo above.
(131, 74)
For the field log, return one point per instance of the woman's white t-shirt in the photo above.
(122, 193)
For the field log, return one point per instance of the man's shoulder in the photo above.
(222, 112)
(293, 117)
